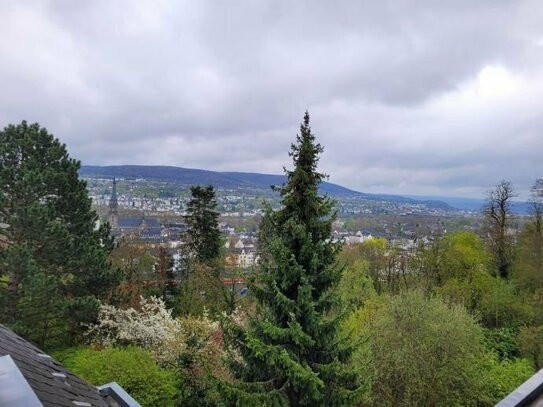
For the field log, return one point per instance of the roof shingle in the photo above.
(52, 383)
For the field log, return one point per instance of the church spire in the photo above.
(113, 204)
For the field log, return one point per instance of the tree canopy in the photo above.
(203, 236)
(54, 261)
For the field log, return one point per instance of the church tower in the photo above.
(113, 205)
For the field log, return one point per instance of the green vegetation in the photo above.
(454, 319)
(55, 259)
(203, 237)
(290, 350)
(133, 368)
(420, 351)
(202, 287)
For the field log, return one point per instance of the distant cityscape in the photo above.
(152, 211)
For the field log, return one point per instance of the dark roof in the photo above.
(153, 233)
(52, 383)
(137, 222)
(129, 222)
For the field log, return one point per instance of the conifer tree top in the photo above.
(291, 350)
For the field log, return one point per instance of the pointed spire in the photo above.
(113, 204)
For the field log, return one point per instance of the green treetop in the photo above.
(291, 354)
(203, 236)
(54, 263)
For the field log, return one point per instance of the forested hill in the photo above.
(228, 180)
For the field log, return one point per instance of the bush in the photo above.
(191, 344)
(505, 376)
(132, 368)
(494, 300)
(503, 342)
(531, 344)
(419, 351)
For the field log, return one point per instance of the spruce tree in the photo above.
(291, 353)
(203, 236)
(54, 261)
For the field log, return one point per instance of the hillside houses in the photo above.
(358, 237)
(242, 253)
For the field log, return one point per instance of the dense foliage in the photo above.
(419, 351)
(448, 319)
(132, 368)
(190, 345)
(290, 353)
(203, 236)
(54, 263)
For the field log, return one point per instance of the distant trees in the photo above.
(54, 261)
(497, 211)
(528, 270)
(536, 203)
(203, 236)
(290, 353)
(202, 287)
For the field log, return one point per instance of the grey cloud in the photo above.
(223, 85)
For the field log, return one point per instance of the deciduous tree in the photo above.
(420, 352)
(497, 211)
(529, 264)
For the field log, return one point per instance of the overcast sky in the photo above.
(409, 97)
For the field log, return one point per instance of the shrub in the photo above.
(192, 344)
(420, 351)
(503, 341)
(133, 368)
(506, 375)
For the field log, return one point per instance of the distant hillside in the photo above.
(473, 204)
(189, 176)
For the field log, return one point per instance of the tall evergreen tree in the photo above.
(291, 352)
(55, 260)
(203, 236)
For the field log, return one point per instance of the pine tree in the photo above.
(55, 259)
(291, 352)
(203, 236)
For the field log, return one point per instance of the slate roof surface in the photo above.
(137, 222)
(62, 389)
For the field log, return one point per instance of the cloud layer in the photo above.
(421, 97)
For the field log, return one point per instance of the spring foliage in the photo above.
(132, 367)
